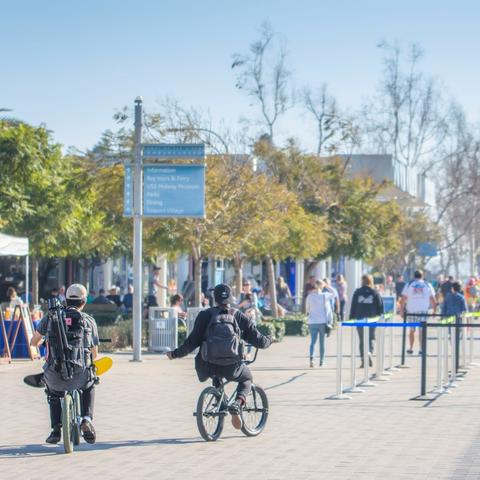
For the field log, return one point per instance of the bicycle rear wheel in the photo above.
(255, 412)
(68, 422)
(77, 416)
(209, 417)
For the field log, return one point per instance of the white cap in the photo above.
(76, 291)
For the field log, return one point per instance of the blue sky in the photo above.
(72, 64)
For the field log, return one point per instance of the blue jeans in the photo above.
(317, 330)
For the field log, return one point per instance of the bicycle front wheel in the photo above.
(210, 418)
(68, 423)
(255, 412)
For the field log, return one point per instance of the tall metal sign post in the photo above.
(159, 190)
(137, 312)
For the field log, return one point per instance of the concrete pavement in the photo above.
(145, 427)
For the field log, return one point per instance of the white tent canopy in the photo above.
(14, 246)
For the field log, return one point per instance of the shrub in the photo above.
(267, 328)
(181, 334)
(279, 329)
(295, 327)
(120, 334)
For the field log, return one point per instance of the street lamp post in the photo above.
(137, 236)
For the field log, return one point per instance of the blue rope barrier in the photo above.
(380, 324)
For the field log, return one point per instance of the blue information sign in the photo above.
(427, 249)
(174, 191)
(168, 191)
(174, 150)
(128, 192)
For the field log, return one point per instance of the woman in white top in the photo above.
(320, 318)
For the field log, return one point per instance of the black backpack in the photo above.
(66, 340)
(223, 344)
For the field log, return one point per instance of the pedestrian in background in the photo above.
(13, 298)
(176, 302)
(284, 295)
(114, 297)
(307, 289)
(366, 303)
(418, 297)
(455, 303)
(342, 289)
(320, 319)
(334, 299)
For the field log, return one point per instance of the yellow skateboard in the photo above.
(102, 365)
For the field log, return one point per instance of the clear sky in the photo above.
(72, 64)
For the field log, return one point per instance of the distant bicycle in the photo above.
(212, 408)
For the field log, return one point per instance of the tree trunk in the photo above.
(197, 261)
(238, 265)
(34, 280)
(85, 275)
(271, 286)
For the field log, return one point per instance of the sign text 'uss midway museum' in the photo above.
(169, 190)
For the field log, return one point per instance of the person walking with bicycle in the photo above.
(75, 373)
(219, 332)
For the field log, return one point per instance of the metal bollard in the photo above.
(453, 371)
(339, 395)
(353, 348)
(404, 342)
(464, 344)
(439, 387)
(391, 367)
(472, 343)
(423, 387)
(380, 355)
(445, 356)
(366, 377)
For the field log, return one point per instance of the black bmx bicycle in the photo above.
(212, 408)
(71, 419)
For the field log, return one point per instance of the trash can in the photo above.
(163, 329)
(192, 313)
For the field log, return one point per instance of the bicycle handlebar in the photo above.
(248, 362)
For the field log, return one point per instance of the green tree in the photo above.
(358, 225)
(44, 196)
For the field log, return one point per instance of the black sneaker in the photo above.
(409, 351)
(88, 431)
(420, 353)
(55, 436)
(235, 410)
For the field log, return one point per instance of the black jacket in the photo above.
(249, 332)
(366, 303)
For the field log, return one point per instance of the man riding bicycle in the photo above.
(219, 332)
(82, 333)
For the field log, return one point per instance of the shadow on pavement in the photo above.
(25, 451)
(286, 382)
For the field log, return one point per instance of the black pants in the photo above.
(371, 339)
(87, 397)
(342, 309)
(236, 373)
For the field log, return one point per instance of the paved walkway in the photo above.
(146, 429)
